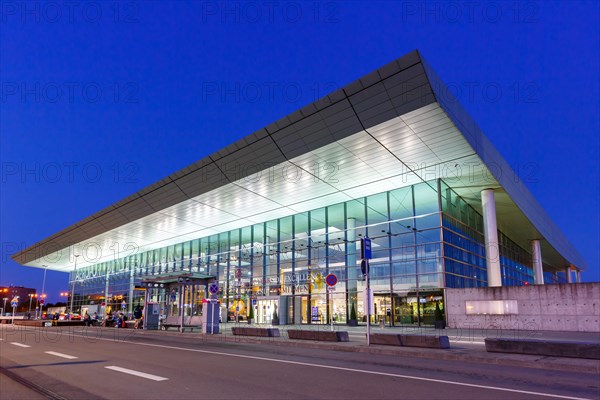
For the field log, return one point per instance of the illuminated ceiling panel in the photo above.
(360, 166)
(385, 131)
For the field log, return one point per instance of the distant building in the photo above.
(10, 292)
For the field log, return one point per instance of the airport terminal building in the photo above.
(392, 156)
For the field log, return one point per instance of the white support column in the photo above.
(106, 290)
(352, 282)
(578, 275)
(490, 229)
(131, 289)
(536, 261)
(569, 276)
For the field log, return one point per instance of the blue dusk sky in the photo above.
(100, 99)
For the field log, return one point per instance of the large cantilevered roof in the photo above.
(389, 129)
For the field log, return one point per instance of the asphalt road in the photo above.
(96, 364)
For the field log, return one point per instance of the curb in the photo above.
(473, 356)
(452, 354)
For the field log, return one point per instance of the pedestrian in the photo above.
(119, 321)
(107, 320)
(137, 314)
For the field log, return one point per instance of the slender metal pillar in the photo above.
(490, 228)
(71, 311)
(578, 276)
(106, 288)
(352, 268)
(131, 288)
(41, 296)
(536, 262)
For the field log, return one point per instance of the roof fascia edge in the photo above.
(488, 153)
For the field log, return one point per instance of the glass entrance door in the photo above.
(315, 311)
(264, 310)
(382, 308)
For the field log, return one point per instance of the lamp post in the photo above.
(4, 307)
(65, 294)
(74, 280)
(31, 296)
(41, 302)
(42, 294)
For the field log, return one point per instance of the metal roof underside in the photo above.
(384, 131)
(172, 277)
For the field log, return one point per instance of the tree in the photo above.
(439, 317)
(275, 316)
(251, 314)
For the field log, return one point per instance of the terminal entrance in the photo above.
(172, 300)
(417, 308)
(264, 310)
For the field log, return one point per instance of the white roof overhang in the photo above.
(384, 131)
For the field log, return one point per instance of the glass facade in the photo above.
(424, 238)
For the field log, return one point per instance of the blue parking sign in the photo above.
(365, 248)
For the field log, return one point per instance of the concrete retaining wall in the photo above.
(571, 307)
(542, 348)
(326, 336)
(432, 342)
(250, 331)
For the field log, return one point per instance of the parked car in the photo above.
(67, 316)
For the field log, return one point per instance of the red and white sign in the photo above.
(331, 280)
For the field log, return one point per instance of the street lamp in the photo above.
(41, 302)
(31, 296)
(42, 295)
(74, 280)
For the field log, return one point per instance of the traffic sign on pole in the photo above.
(213, 288)
(331, 279)
(365, 248)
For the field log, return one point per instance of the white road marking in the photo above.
(338, 368)
(137, 373)
(361, 371)
(19, 344)
(53, 353)
(365, 371)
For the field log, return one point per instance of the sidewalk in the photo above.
(466, 345)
